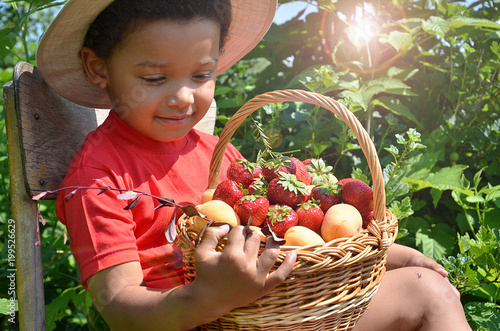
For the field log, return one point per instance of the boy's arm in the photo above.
(225, 280)
(400, 256)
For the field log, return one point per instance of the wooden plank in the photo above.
(29, 274)
(53, 129)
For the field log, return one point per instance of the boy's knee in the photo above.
(434, 292)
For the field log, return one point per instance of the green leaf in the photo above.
(435, 241)
(495, 193)
(448, 178)
(393, 150)
(433, 66)
(396, 107)
(402, 209)
(55, 310)
(458, 22)
(436, 25)
(7, 306)
(388, 84)
(398, 39)
(486, 314)
(355, 97)
(477, 178)
(7, 42)
(475, 199)
(436, 196)
(222, 90)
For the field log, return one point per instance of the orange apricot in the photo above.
(341, 220)
(302, 236)
(207, 195)
(217, 210)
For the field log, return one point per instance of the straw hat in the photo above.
(60, 65)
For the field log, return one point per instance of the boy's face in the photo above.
(161, 78)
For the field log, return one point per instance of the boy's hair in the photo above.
(122, 16)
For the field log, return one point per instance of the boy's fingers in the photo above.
(441, 270)
(268, 257)
(235, 239)
(211, 237)
(279, 275)
(252, 242)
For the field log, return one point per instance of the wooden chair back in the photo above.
(44, 131)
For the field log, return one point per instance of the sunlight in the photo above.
(362, 25)
(364, 30)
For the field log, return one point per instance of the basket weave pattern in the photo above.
(331, 285)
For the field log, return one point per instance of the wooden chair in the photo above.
(44, 131)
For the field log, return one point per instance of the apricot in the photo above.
(207, 195)
(217, 210)
(341, 220)
(301, 236)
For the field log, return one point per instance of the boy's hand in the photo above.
(420, 260)
(237, 276)
(400, 256)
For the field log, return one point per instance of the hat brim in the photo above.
(59, 62)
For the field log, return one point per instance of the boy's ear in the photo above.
(94, 66)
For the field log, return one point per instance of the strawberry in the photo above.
(252, 206)
(273, 167)
(309, 188)
(280, 218)
(301, 171)
(243, 172)
(310, 215)
(319, 171)
(258, 186)
(358, 194)
(327, 194)
(367, 219)
(345, 180)
(286, 190)
(306, 162)
(228, 191)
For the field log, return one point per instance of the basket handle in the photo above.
(379, 208)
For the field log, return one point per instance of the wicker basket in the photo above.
(330, 285)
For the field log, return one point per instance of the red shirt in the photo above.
(102, 233)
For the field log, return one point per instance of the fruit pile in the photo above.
(300, 201)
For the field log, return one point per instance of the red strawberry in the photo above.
(358, 194)
(258, 186)
(257, 172)
(286, 190)
(310, 215)
(306, 162)
(228, 191)
(273, 167)
(327, 194)
(301, 171)
(367, 219)
(307, 196)
(243, 172)
(281, 218)
(252, 206)
(345, 180)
